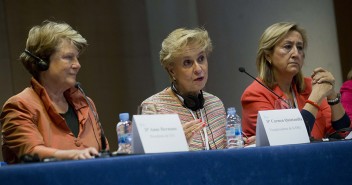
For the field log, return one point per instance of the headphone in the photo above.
(40, 63)
(192, 102)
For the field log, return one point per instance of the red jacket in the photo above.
(257, 97)
(29, 119)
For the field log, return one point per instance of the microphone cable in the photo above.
(243, 70)
(335, 134)
(211, 132)
(103, 141)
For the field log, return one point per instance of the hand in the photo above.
(320, 91)
(249, 140)
(86, 153)
(192, 127)
(322, 76)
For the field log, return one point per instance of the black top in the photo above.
(71, 120)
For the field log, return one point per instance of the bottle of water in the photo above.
(124, 134)
(233, 129)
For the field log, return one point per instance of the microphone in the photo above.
(243, 70)
(103, 141)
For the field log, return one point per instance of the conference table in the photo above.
(313, 163)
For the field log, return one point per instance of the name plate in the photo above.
(158, 134)
(280, 127)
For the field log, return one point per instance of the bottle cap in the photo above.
(231, 110)
(124, 116)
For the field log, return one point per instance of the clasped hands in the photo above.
(323, 83)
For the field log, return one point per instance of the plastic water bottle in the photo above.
(124, 134)
(233, 129)
(2, 163)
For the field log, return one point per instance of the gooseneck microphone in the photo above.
(103, 141)
(243, 70)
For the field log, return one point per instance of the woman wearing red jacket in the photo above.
(280, 59)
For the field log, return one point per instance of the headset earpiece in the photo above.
(192, 102)
(39, 63)
(42, 65)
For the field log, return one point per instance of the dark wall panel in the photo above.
(343, 14)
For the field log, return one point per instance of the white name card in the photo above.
(157, 134)
(280, 127)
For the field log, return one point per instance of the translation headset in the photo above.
(190, 101)
(194, 103)
(39, 63)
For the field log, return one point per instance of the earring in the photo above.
(173, 78)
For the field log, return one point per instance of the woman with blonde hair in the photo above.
(52, 118)
(184, 56)
(280, 59)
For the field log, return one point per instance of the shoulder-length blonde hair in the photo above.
(272, 36)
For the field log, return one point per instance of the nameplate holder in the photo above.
(280, 127)
(158, 133)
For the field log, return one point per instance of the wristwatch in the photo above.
(336, 100)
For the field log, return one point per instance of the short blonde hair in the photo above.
(43, 41)
(174, 44)
(272, 36)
